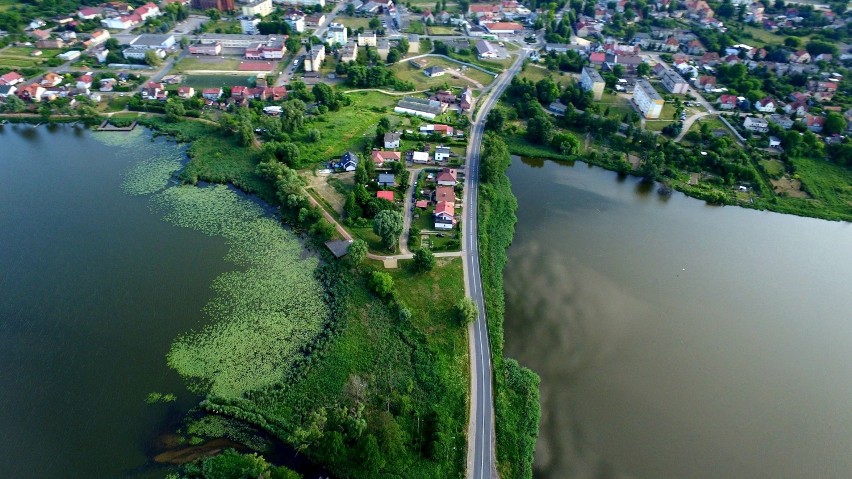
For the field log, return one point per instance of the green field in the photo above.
(19, 57)
(763, 36)
(773, 168)
(211, 81)
(830, 185)
(406, 72)
(440, 30)
(354, 22)
(618, 106)
(190, 63)
(417, 27)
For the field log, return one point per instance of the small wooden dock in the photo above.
(106, 126)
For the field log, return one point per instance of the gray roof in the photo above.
(338, 247)
(593, 74)
(648, 89)
(392, 136)
(483, 46)
(421, 104)
(434, 70)
(387, 178)
(442, 149)
(148, 40)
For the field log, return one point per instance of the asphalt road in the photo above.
(481, 458)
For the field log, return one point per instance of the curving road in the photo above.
(481, 461)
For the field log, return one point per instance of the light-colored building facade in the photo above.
(314, 58)
(591, 80)
(208, 49)
(647, 99)
(673, 83)
(257, 7)
(336, 34)
(296, 22)
(349, 52)
(231, 40)
(367, 39)
(248, 25)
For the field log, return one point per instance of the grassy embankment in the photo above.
(381, 391)
(516, 394)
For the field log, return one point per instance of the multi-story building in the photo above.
(672, 82)
(248, 25)
(367, 39)
(231, 40)
(296, 20)
(349, 52)
(208, 49)
(301, 3)
(314, 58)
(647, 99)
(221, 5)
(257, 7)
(591, 80)
(271, 50)
(336, 34)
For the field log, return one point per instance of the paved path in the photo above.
(407, 207)
(481, 461)
(688, 123)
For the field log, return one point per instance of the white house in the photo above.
(445, 215)
(758, 125)
(392, 140)
(765, 105)
(257, 7)
(420, 157)
(336, 33)
(774, 141)
(442, 153)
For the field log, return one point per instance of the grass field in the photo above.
(440, 30)
(618, 106)
(827, 183)
(354, 22)
(211, 81)
(406, 72)
(534, 73)
(190, 63)
(20, 57)
(773, 168)
(763, 36)
(417, 27)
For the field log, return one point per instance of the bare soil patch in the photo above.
(789, 187)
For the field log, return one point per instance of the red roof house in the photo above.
(380, 157)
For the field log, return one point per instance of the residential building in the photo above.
(336, 34)
(212, 94)
(296, 20)
(504, 28)
(257, 7)
(774, 142)
(727, 102)
(442, 153)
(558, 108)
(420, 156)
(444, 215)
(149, 10)
(444, 193)
(315, 21)
(154, 91)
(447, 176)
(121, 22)
(138, 53)
(814, 123)
(221, 5)
(445, 96)
(466, 100)
(380, 157)
(314, 58)
(391, 139)
(32, 92)
(50, 80)
(153, 41)
(11, 78)
(673, 83)
(706, 82)
(484, 49)
(70, 55)
(271, 50)
(766, 105)
(185, 92)
(591, 80)
(784, 122)
(387, 179)
(98, 37)
(647, 99)
(444, 130)
(421, 107)
(435, 71)
(757, 125)
(479, 10)
(348, 162)
(248, 25)
(349, 52)
(6, 90)
(367, 39)
(90, 13)
(208, 49)
(50, 43)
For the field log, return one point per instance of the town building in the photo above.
(444, 215)
(221, 5)
(296, 20)
(336, 34)
(673, 83)
(257, 7)
(484, 49)
(153, 41)
(647, 99)
(367, 39)
(442, 153)
(757, 125)
(205, 49)
(271, 50)
(421, 107)
(504, 28)
(434, 71)
(380, 157)
(349, 52)
(591, 80)
(314, 58)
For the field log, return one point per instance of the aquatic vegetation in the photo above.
(260, 317)
(155, 397)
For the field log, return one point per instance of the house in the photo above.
(558, 108)
(647, 100)
(154, 91)
(766, 105)
(435, 71)
(479, 10)
(90, 13)
(32, 92)
(814, 123)
(348, 162)
(824, 57)
(445, 96)
(40, 34)
(391, 139)
(466, 101)
(315, 21)
(383, 48)
(387, 179)
(257, 8)
(272, 110)
(84, 82)
(212, 94)
(727, 102)
(385, 194)
(139, 53)
(349, 52)
(185, 92)
(774, 142)
(11, 78)
(336, 34)
(442, 153)
(444, 215)
(50, 43)
(504, 28)
(673, 83)
(427, 16)
(122, 22)
(420, 157)
(591, 80)
(597, 58)
(710, 58)
(484, 49)
(296, 20)
(784, 122)
(798, 108)
(444, 193)
(800, 56)
(147, 11)
(50, 80)
(705, 82)
(6, 90)
(444, 130)
(447, 177)
(822, 90)
(380, 157)
(421, 107)
(758, 125)
(271, 50)
(671, 45)
(422, 204)
(274, 93)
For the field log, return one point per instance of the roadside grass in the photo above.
(417, 27)
(190, 63)
(212, 81)
(535, 73)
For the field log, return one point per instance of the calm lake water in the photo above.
(676, 339)
(95, 286)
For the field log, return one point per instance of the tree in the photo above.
(540, 129)
(388, 225)
(213, 14)
(350, 10)
(546, 90)
(643, 69)
(174, 110)
(381, 283)
(467, 311)
(834, 123)
(496, 120)
(374, 23)
(361, 177)
(152, 59)
(357, 252)
(792, 42)
(13, 104)
(424, 260)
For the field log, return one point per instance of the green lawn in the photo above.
(212, 81)
(773, 168)
(441, 30)
(354, 22)
(618, 106)
(827, 183)
(763, 36)
(19, 57)
(417, 27)
(534, 73)
(406, 72)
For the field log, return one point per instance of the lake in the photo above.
(95, 288)
(676, 339)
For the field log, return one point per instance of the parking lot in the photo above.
(190, 24)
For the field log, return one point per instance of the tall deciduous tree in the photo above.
(388, 225)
